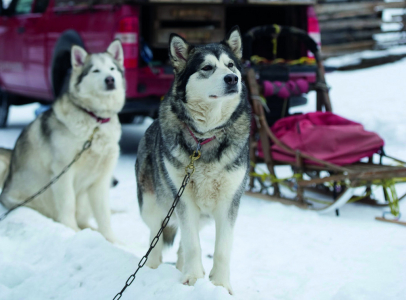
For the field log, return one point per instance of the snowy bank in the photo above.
(286, 254)
(41, 259)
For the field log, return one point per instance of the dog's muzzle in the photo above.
(110, 85)
(231, 81)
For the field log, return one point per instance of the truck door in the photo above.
(11, 46)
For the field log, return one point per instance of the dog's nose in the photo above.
(109, 82)
(231, 79)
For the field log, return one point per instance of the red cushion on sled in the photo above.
(325, 136)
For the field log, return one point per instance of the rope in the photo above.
(275, 40)
(389, 185)
(301, 61)
(273, 178)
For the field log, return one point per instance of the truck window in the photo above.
(40, 6)
(23, 7)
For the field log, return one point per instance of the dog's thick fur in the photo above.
(5, 158)
(201, 99)
(50, 143)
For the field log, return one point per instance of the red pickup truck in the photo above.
(36, 37)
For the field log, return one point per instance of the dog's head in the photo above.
(208, 77)
(97, 81)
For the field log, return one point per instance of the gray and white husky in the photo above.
(207, 103)
(96, 94)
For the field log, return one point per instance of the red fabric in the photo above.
(325, 136)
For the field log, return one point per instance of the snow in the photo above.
(280, 252)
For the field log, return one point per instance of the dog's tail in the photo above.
(5, 159)
(169, 234)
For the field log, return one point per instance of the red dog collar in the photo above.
(202, 142)
(98, 119)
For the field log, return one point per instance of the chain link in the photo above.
(190, 169)
(85, 147)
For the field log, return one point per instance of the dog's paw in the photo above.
(192, 272)
(220, 280)
(190, 279)
(111, 238)
(73, 226)
(86, 226)
(153, 263)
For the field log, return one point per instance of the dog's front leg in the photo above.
(189, 218)
(99, 201)
(220, 274)
(64, 196)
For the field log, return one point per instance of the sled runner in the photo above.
(324, 150)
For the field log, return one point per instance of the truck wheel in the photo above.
(4, 108)
(61, 66)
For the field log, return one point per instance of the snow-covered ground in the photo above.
(279, 252)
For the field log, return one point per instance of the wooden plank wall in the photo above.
(350, 26)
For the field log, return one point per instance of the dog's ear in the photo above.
(178, 51)
(234, 41)
(78, 56)
(116, 50)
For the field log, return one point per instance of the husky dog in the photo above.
(96, 94)
(206, 105)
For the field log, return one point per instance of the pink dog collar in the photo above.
(98, 119)
(200, 143)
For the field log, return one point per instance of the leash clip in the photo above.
(190, 168)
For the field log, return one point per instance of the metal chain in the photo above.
(190, 169)
(85, 147)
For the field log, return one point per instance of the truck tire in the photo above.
(61, 66)
(4, 108)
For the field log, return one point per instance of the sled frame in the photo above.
(346, 177)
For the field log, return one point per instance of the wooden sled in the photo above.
(309, 172)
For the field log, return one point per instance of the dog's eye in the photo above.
(230, 65)
(112, 69)
(207, 68)
(96, 71)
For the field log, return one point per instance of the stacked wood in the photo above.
(350, 26)
(185, 20)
